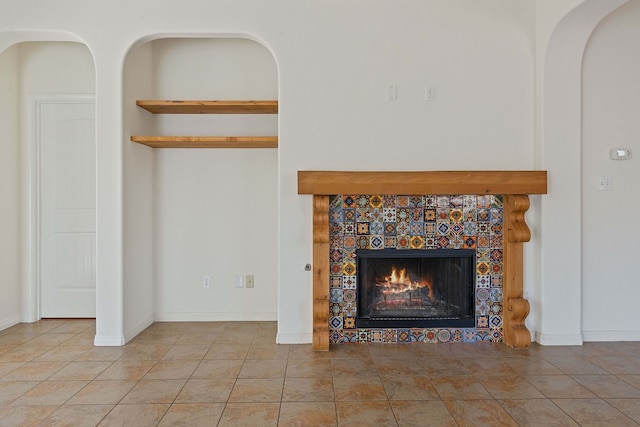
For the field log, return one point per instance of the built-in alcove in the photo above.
(189, 214)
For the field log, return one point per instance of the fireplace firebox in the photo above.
(416, 288)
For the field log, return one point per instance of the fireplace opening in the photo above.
(416, 288)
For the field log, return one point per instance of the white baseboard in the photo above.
(108, 341)
(9, 322)
(131, 333)
(558, 339)
(605, 336)
(294, 338)
(216, 317)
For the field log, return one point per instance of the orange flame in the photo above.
(399, 281)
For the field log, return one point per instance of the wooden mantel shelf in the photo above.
(209, 107)
(207, 141)
(417, 183)
(514, 186)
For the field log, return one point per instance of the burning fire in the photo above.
(399, 282)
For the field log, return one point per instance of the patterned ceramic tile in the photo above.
(410, 223)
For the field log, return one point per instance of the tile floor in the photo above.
(231, 374)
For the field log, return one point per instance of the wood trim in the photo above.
(209, 107)
(207, 141)
(417, 183)
(321, 273)
(515, 307)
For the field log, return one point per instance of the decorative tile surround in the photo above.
(429, 222)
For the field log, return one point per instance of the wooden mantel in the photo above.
(515, 186)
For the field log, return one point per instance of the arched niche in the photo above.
(196, 213)
(561, 114)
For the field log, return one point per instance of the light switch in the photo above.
(604, 183)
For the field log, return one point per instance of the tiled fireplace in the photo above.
(440, 225)
(481, 211)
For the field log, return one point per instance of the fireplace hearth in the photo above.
(415, 288)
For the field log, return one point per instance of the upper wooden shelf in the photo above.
(207, 141)
(209, 107)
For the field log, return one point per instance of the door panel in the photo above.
(67, 210)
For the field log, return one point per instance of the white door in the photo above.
(67, 209)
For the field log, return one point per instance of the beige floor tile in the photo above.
(402, 367)
(308, 368)
(593, 412)
(531, 366)
(409, 388)
(218, 368)
(6, 367)
(102, 392)
(80, 371)
(634, 380)
(317, 414)
(257, 390)
(629, 407)
(10, 390)
(102, 354)
(459, 388)
(135, 415)
(443, 367)
(618, 364)
(357, 368)
(77, 415)
(576, 365)
(49, 340)
(8, 338)
(479, 413)
(144, 351)
(228, 351)
(23, 354)
(386, 351)
(262, 351)
(306, 352)
(76, 326)
(201, 338)
(263, 369)
(560, 387)
(172, 369)
(50, 393)
(206, 390)
(308, 390)
(537, 412)
(24, 416)
(126, 370)
(488, 366)
(154, 391)
(510, 387)
(34, 371)
(186, 352)
(250, 415)
(365, 414)
(608, 386)
(192, 415)
(63, 354)
(360, 389)
(80, 340)
(421, 413)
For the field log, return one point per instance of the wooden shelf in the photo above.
(207, 141)
(209, 107)
(431, 182)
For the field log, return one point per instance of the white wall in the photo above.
(10, 247)
(138, 192)
(610, 228)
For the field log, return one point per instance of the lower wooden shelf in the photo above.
(207, 141)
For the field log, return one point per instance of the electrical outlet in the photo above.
(206, 282)
(249, 280)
